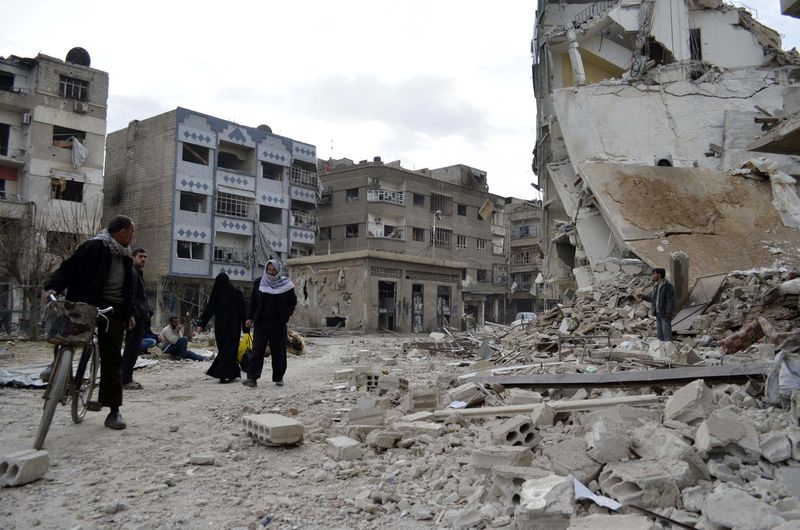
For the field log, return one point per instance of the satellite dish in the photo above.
(264, 127)
(79, 56)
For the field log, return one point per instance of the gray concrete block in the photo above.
(383, 439)
(418, 400)
(423, 415)
(22, 467)
(775, 447)
(343, 448)
(469, 393)
(570, 458)
(645, 482)
(517, 430)
(416, 428)
(389, 383)
(690, 403)
(366, 416)
(486, 458)
(520, 396)
(507, 482)
(725, 430)
(733, 508)
(273, 429)
(600, 521)
(543, 415)
(608, 442)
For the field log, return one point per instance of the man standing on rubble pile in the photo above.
(662, 301)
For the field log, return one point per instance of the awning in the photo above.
(8, 173)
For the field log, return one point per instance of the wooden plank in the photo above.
(558, 406)
(631, 378)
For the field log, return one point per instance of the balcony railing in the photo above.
(301, 177)
(394, 197)
(234, 256)
(304, 220)
(398, 233)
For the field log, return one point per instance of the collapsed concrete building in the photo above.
(646, 112)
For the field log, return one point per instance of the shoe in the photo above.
(114, 421)
(46, 373)
(279, 383)
(94, 406)
(250, 383)
(132, 385)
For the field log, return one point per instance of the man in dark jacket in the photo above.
(141, 312)
(271, 305)
(100, 273)
(662, 301)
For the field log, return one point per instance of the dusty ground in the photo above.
(142, 477)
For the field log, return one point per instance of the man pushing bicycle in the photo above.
(100, 273)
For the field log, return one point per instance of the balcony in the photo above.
(301, 177)
(392, 197)
(397, 233)
(304, 220)
(232, 256)
(497, 250)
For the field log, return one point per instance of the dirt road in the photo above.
(143, 477)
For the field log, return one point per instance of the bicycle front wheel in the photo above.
(85, 382)
(55, 393)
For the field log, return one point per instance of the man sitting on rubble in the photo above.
(175, 343)
(662, 301)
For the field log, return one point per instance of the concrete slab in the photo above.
(733, 508)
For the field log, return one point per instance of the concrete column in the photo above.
(679, 272)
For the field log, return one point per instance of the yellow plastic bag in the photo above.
(245, 345)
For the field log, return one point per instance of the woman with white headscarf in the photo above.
(271, 305)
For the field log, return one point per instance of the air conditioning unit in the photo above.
(81, 107)
(27, 118)
(378, 220)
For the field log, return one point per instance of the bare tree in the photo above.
(30, 250)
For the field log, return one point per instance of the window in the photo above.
(5, 133)
(462, 210)
(66, 190)
(484, 276)
(352, 194)
(268, 214)
(461, 241)
(271, 171)
(73, 88)
(695, 45)
(351, 230)
(6, 81)
(419, 234)
(62, 136)
(442, 237)
(441, 203)
(233, 205)
(191, 250)
(193, 202)
(480, 244)
(419, 200)
(325, 233)
(195, 154)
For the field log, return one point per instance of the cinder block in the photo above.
(486, 458)
(517, 430)
(388, 383)
(415, 428)
(423, 415)
(418, 400)
(366, 416)
(469, 393)
(343, 375)
(383, 439)
(23, 467)
(690, 404)
(507, 482)
(646, 483)
(543, 414)
(343, 448)
(520, 396)
(273, 429)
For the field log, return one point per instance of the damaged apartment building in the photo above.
(52, 140)
(403, 250)
(209, 196)
(647, 111)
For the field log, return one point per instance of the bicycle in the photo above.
(64, 386)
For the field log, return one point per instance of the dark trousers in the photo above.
(133, 345)
(663, 328)
(110, 344)
(274, 336)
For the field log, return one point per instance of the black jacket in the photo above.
(286, 302)
(665, 305)
(84, 274)
(141, 310)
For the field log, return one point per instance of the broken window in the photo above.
(325, 233)
(66, 190)
(351, 230)
(441, 203)
(442, 237)
(62, 136)
(236, 157)
(695, 45)
(5, 133)
(484, 276)
(419, 200)
(195, 154)
(480, 244)
(419, 234)
(269, 214)
(193, 202)
(461, 241)
(6, 81)
(73, 88)
(191, 250)
(233, 205)
(352, 194)
(462, 210)
(271, 171)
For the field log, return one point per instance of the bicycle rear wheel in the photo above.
(85, 382)
(55, 393)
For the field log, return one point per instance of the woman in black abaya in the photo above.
(226, 305)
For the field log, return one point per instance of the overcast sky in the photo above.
(431, 83)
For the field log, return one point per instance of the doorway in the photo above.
(386, 305)
(417, 308)
(443, 306)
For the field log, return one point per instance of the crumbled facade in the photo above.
(524, 220)
(640, 105)
(210, 196)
